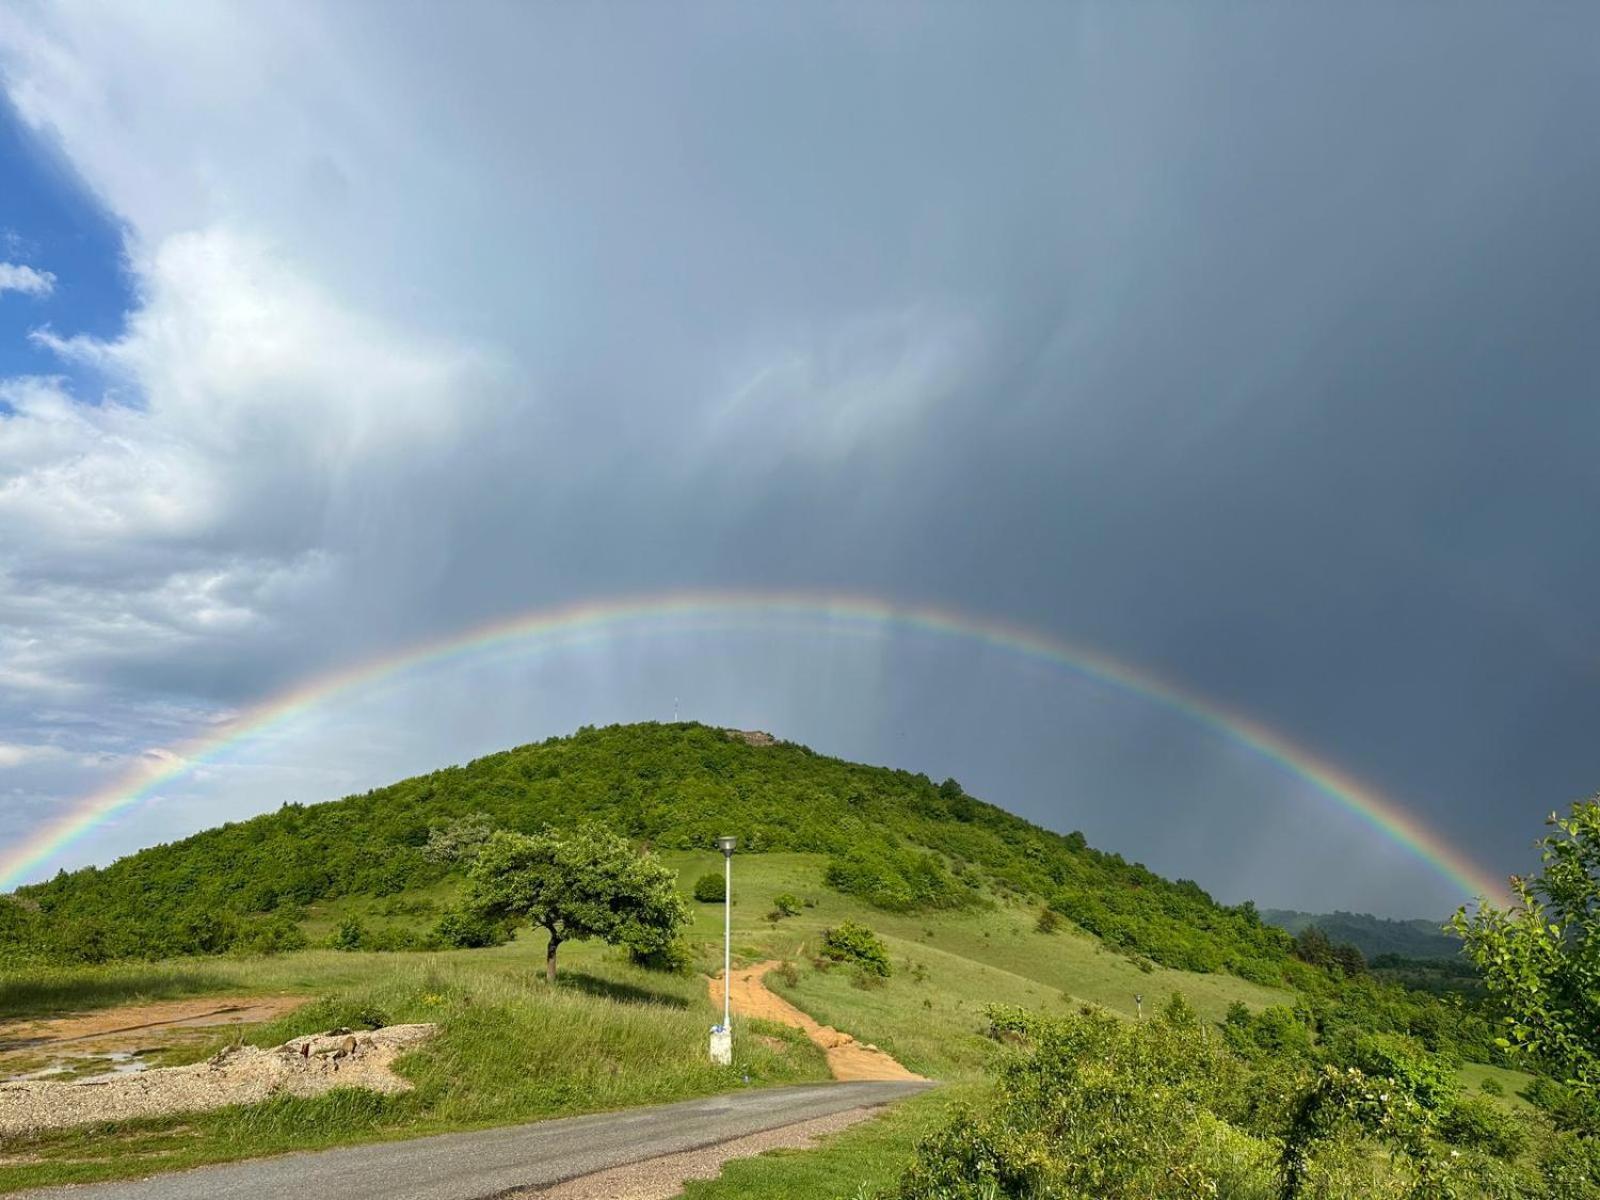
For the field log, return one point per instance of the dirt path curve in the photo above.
(847, 1058)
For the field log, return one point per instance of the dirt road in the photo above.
(847, 1058)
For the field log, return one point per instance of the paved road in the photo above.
(471, 1166)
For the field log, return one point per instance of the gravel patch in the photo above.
(662, 1178)
(304, 1066)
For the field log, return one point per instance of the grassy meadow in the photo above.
(948, 966)
(509, 1049)
(608, 1036)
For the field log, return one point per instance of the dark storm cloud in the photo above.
(1251, 344)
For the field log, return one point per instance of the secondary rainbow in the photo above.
(713, 609)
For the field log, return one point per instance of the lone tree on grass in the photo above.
(577, 886)
(1540, 959)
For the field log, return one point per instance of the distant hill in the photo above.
(895, 839)
(1418, 938)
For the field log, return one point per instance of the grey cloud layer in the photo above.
(1250, 344)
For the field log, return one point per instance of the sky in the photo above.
(1252, 346)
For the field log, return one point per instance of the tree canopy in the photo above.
(590, 883)
(1540, 959)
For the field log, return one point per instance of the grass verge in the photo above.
(857, 1161)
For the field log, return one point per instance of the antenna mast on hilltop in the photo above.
(674, 710)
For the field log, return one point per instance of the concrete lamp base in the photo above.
(721, 1046)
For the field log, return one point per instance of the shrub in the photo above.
(459, 841)
(1492, 1087)
(1090, 1106)
(786, 972)
(1276, 1030)
(851, 942)
(1568, 1108)
(1571, 1169)
(896, 879)
(390, 939)
(1403, 1059)
(269, 935)
(1483, 1125)
(675, 958)
(1049, 920)
(466, 930)
(351, 935)
(786, 904)
(710, 888)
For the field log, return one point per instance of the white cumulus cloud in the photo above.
(30, 281)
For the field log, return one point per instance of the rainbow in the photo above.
(548, 628)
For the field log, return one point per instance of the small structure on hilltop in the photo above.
(751, 737)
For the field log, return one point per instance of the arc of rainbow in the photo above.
(592, 618)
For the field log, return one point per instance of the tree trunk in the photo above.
(550, 959)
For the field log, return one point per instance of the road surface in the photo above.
(471, 1166)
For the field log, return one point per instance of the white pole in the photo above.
(727, 941)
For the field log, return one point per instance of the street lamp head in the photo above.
(726, 845)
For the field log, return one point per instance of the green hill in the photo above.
(894, 839)
(1373, 936)
(974, 908)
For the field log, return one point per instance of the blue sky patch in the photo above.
(51, 222)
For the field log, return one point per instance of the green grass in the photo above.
(1512, 1083)
(610, 1035)
(860, 1159)
(44, 990)
(510, 1049)
(418, 909)
(968, 960)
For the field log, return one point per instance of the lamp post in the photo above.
(722, 1035)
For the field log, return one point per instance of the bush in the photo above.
(390, 940)
(896, 879)
(1568, 1108)
(1491, 1087)
(675, 958)
(1481, 1124)
(1049, 920)
(465, 930)
(1571, 1169)
(786, 904)
(851, 942)
(1091, 1106)
(460, 841)
(269, 935)
(351, 935)
(1275, 1031)
(710, 888)
(1403, 1059)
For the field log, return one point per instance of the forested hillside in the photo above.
(1373, 936)
(895, 839)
